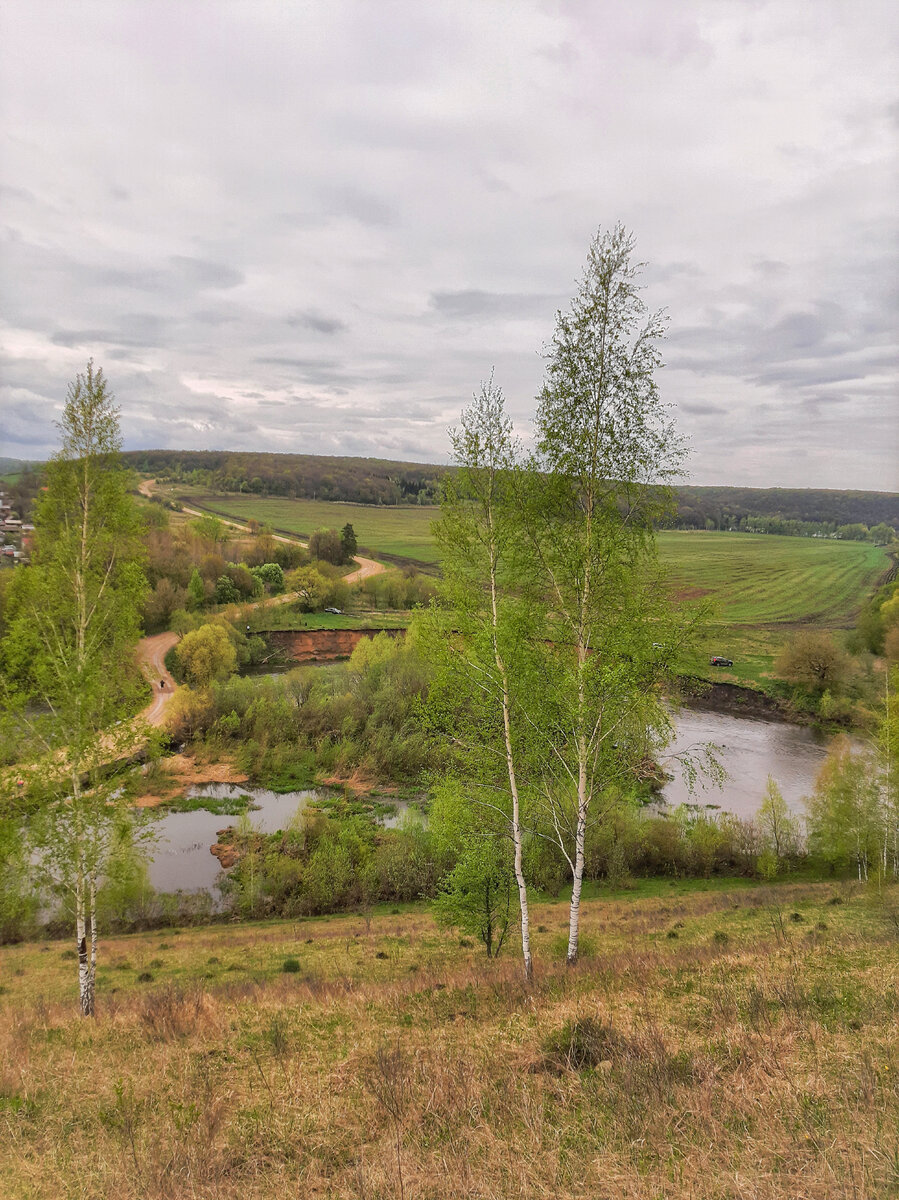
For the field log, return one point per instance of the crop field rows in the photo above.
(759, 579)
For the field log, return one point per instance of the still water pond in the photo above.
(181, 858)
(749, 749)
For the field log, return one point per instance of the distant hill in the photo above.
(307, 476)
(12, 466)
(382, 481)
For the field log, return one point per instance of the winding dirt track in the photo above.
(151, 651)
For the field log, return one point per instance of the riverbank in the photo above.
(734, 700)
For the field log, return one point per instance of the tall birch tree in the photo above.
(68, 657)
(491, 624)
(604, 449)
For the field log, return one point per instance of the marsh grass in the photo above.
(761, 1067)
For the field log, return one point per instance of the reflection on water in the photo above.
(750, 750)
(181, 858)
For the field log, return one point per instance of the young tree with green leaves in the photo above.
(68, 655)
(494, 626)
(196, 592)
(605, 448)
(348, 542)
(206, 654)
(777, 825)
(477, 894)
(845, 824)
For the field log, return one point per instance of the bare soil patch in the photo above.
(182, 771)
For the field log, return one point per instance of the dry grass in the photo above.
(397, 1063)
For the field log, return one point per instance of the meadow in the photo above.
(763, 579)
(717, 1039)
(746, 579)
(404, 532)
(755, 590)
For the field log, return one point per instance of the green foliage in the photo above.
(312, 587)
(814, 660)
(326, 545)
(209, 529)
(18, 902)
(196, 593)
(206, 654)
(225, 591)
(850, 821)
(778, 827)
(271, 575)
(399, 589)
(320, 865)
(348, 542)
(67, 658)
(477, 896)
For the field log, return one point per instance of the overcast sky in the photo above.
(316, 226)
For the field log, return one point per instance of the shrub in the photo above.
(582, 1043)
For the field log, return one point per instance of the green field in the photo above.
(758, 579)
(748, 579)
(757, 588)
(402, 532)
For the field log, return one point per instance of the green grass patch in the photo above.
(231, 806)
(758, 579)
(404, 531)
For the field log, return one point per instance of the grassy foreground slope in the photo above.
(736, 1042)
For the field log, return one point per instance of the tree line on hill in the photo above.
(294, 476)
(792, 512)
(787, 511)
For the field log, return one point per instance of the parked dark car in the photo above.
(717, 661)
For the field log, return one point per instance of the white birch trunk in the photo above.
(583, 800)
(85, 989)
(510, 769)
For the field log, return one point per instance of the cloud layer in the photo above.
(317, 227)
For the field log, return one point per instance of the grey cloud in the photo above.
(206, 274)
(701, 410)
(361, 206)
(474, 304)
(415, 186)
(317, 323)
(135, 330)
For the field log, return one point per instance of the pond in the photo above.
(181, 857)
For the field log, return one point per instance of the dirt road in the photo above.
(367, 566)
(151, 652)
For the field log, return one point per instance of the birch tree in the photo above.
(491, 625)
(68, 656)
(604, 446)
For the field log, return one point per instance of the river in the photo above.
(749, 749)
